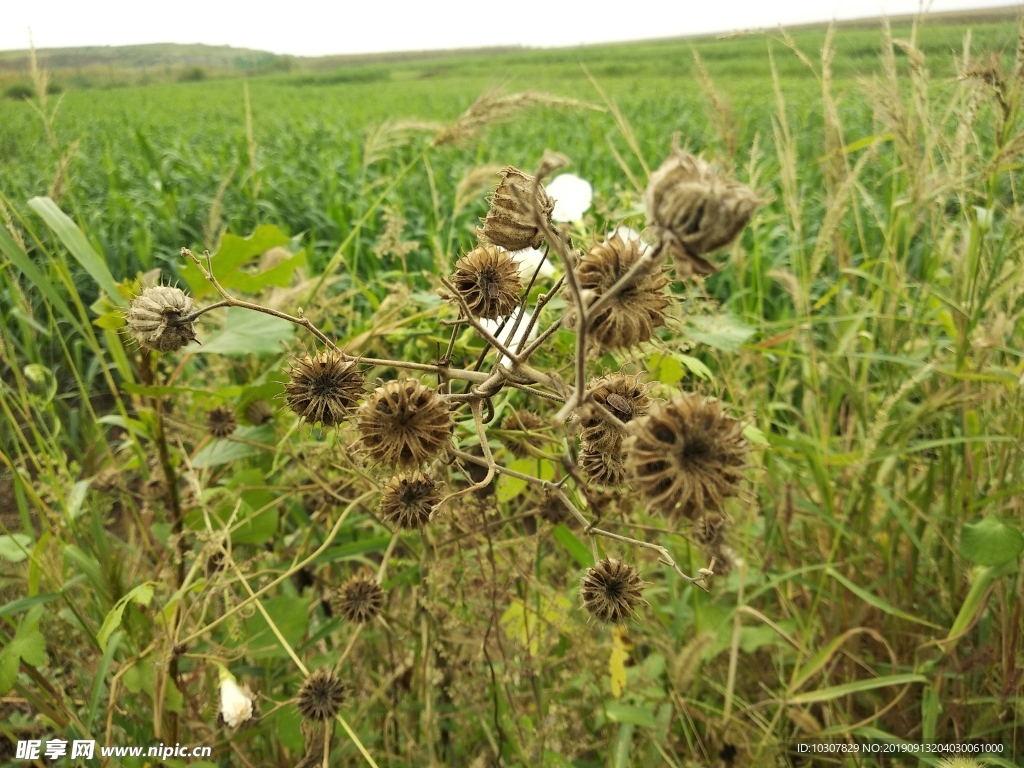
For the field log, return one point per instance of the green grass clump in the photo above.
(867, 325)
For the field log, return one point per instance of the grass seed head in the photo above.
(404, 424)
(359, 599)
(221, 421)
(696, 211)
(686, 456)
(632, 315)
(625, 397)
(611, 590)
(324, 389)
(511, 221)
(321, 696)
(408, 500)
(154, 319)
(488, 280)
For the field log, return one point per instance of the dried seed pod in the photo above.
(359, 599)
(709, 529)
(321, 696)
(259, 412)
(631, 316)
(523, 432)
(695, 211)
(408, 500)
(404, 424)
(611, 590)
(553, 509)
(511, 221)
(221, 421)
(488, 280)
(687, 456)
(154, 319)
(625, 397)
(601, 467)
(324, 389)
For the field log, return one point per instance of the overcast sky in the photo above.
(320, 27)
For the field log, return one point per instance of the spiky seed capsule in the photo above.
(687, 456)
(259, 412)
(553, 509)
(221, 421)
(708, 530)
(611, 590)
(321, 696)
(510, 221)
(523, 432)
(625, 397)
(404, 424)
(696, 211)
(154, 319)
(408, 500)
(488, 281)
(631, 316)
(359, 599)
(324, 389)
(601, 467)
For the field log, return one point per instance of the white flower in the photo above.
(506, 337)
(528, 259)
(628, 233)
(235, 702)
(572, 196)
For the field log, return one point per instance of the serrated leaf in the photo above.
(28, 645)
(233, 253)
(725, 332)
(990, 541)
(141, 595)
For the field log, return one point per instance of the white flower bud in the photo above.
(235, 701)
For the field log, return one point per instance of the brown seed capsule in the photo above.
(324, 389)
(321, 696)
(488, 281)
(511, 221)
(611, 590)
(359, 599)
(154, 319)
(708, 530)
(404, 424)
(631, 316)
(221, 421)
(687, 456)
(601, 467)
(523, 430)
(553, 509)
(259, 412)
(408, 500)
(695, 211)
(625, 397)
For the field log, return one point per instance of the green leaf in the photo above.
(990, 542)
(28, 645)
(233, 254)
(289, 616)
(25, 265)
(876, 601)
(218, 452)
(982, 578)
(695, 366)
(665, 368)
(838, 691)
(247, 333)
(15, 606)
(141, 595)
(509, 487)
(755, 436)
(77, 243)
(624, 713)
(725, 332)
(14, 547)
(579, 551)
(354, 549)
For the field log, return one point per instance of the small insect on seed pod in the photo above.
(488, 280)
(359, 599)
(622, 395)
(611, 590)
(259, 412)
(321, 696)
(511, 221)
(324, 389)
(687, 456)
(632, 315)
(404, 423)
(601, 467)
(154, 319)
(523, 431)
(408, 500)
(221, 421)
(695, 211)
